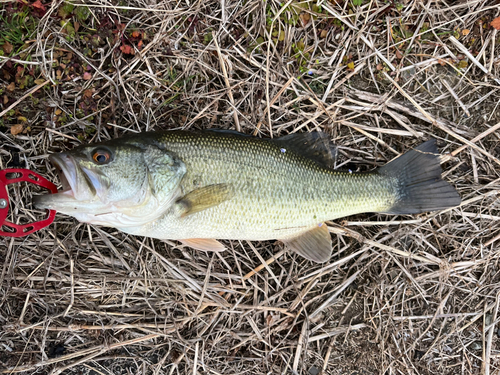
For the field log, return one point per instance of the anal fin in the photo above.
(315, 244)
(204, 244)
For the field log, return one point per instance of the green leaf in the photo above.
(66, 10)
(207, 38)
(82, 13)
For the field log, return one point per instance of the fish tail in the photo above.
(419, 186)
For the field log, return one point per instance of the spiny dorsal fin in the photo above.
(203, 198)
(228, 131)
(314, 145)
(204, 244)
(315, 244)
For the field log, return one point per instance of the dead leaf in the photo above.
(304, 19)
(136, 34)
(324, 33)
(380, 67)
(39, 81)
(58, 112)
(5, 99)
(496, 23)
(399, 55)
(465, 32)
(7, 48)
(87, 76)
(11, 87)
(269, 320)
(88, 93)
(16, 129)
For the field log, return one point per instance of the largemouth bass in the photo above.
(197, 187)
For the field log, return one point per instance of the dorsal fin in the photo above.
(314, 145)
(228, 131)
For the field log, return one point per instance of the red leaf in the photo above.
(87, 76)
(38, 4)
(126, 49)
(496, 23)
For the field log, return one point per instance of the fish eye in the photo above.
(101, 156)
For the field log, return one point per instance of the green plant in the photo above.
(16, 29)
(82, 13)
(66, 10)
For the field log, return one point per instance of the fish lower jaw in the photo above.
(110, 218)
(67, 192)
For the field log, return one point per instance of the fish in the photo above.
(201, 187)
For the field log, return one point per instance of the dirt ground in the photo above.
(413, 294)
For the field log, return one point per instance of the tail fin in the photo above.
(420, 187)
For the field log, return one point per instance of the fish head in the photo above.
(119, 183)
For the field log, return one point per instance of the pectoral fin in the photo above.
(315, 245)
(204, 244)
(203, 198)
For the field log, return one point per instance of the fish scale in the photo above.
(277, 194)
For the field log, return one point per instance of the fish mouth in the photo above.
(75, 185)
(66, 171)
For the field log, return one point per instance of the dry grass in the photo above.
(401, 295)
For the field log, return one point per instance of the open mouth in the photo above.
(66, 170)
(76, 186)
